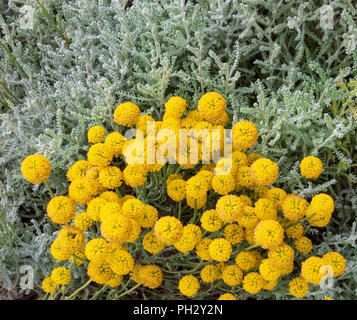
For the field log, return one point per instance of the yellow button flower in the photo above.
(126, 114)
(189, 285)
(96, 134)
(220, 249)
(311, 167)
(36, 168)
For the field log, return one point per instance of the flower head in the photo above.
(229, 208)
(336, 261)
(175, 107)
(253, 283)
(61, 209)
(294, 207)
(126, 114)
(36, 168)
(168, 229)
(303, 245)
(220, 249)
(311, 167)
(96, 134)
(189, 285)
(232, 275)
(244, 135)
(264, 171)
(211, 106)
(61, 276)
(269, 234)
(298, 287)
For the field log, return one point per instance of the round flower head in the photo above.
(281, 255)
(311, 167)
(194, 202)
(151, 276)
(336, 261)
(211, 221)
(222, 120)
(298, 287)
(149, 217)
(99, 271)
(121, 262)
(115, 141)
(196, 187)
(227, 296)
(48, 285)
(83, 221)
(232, 275)
(211, 106)
(264, 171)
(59, 252)
(82, 190)
(247, 260)
(100, 155)
(249, 235)
(312, 271)
(116, 228)
(191, 235)
(209, 273)
(142, 123)
(36, 168)
(322, 206)
(78, 170)
(253, 283)
(175, 107)
(115, 280)
(268, 271)
(176, 190)
(135, 231)
(239, 159)
(96, 249)
(294, 207)
(151, 243)
(111, 177)
(303, 245)
(295, 231)
(251, 157)
(277, 196)
(229, 208)
(265, 210)
(269, 284)
(78, 257)
(223, 184)
(168, 229)
(189, 285)
(126, 114)
(173, 177)
(61, 276)
(268, 234)
(244, 178)
(202, 249)
(244, 135)
(249, 219)
(220, 249)
(71, 238)
(61, 209)
(95, 208)
(134, 175)
(96, 134)
(110, 196)
(133, 208)
(234, 233)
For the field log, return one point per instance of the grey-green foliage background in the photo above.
(272, 61)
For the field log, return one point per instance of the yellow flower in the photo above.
(211, 221)
(191, 235)
(327, 298)
(121, 262)
(303, 245)
(269, 284)
(311, 269)
(227, 296)
(211, 106)
(322, 206)
(142, 123)
(193, 201)
(234, 233)
(99, 271)
(126, 114)
(110, 196)
(116, 228)
(222, 120)
(78, 170)
(298, 287)
(100, 155)
(82, 190)
(220, 249)
(78, 257)
(95, 208)
(336, 261)
(223, 184)
(168, 229)
(189, 285)
(294, 207)
(268, 234)
(209, 273)
(295, 232)
(281, 255)
(61, 209)
(277, 196)
(196, 187)
(249, 235)
(264, 171)
(249, 219)
(59, 252)
(202, 249)
(247, 260)
(265, 210)
(71, 238)
(111, 177)
(268, 271)
(83, 221)
(208, 175)
(61, 276)
(134, 175)
(133, 208)
(251, 157)
(232, 275)
(173, 177)
(115, 142)
(96, 249)
(229, 208)
(244, 135)
(151, 276)
(48, 285)
(36, 168)
(175, 107)
(115, 280)
(244, 177)
(149, 217)
(151, 243)
(253, 283)
(96, 134)
(176, 190)
(135, 231)
(246, 200)
(311, 167)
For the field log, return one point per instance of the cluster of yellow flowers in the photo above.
(249, 238)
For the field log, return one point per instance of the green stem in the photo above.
(251, 247)
(128, 291)
(118, 192)
(94, 297)
(78, 290)
(299, 221)
(49, 189)
(179, 210)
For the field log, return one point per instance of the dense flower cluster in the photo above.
(115, 236)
